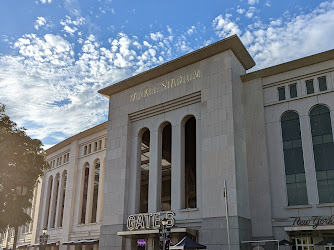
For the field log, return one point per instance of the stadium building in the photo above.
(175, 133)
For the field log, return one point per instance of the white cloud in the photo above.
(291, 38)
(54, 87)
(191, 30)
(70, 30)
(224, 27)
(157, 36)
(46, 1)
(250, 12)
(40, 22)
(253, 2)
(240, 11)
(70, 26)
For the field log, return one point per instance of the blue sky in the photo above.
(56, 54)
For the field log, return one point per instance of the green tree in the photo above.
(22, 162)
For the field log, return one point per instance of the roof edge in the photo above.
(288, 66)
(231, 43)
(78, 136)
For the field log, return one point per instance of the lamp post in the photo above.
(164, 224)
(43, 239)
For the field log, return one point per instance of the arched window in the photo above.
(48, 202)
(323, 149)
(54, 209)
(84, 193)
(144, 170)
(166, 167)
(293, 159)
(62, 205)
(190, 163)
(95, 190)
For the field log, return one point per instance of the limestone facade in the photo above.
(237, 137)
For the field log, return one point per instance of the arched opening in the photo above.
(293, 159)
(190, 163)
(323, 149)
(96, 189)
(84, 193)
(166, 167)
(144, 170)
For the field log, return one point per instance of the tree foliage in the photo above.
(22, 162)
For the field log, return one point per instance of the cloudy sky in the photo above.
(56, 54)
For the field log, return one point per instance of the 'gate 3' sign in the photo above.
(150, 220)
(314, 221)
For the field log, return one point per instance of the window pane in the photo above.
(289, 161)
(298, 160)
(317, 140)
(319, 157)
(325, 123)
(290, 178)
(330, 174)
(295, 129)
(327, 138)
(300, 177)
(281, 93)
(292, 194)
(322, 83)
(322, 175)
(293, 90)
(302, 193)
(309, 87)
(287, 145)
(286, 132)
(329, 155)
(297, 143)
(331, 190)
(323, 191)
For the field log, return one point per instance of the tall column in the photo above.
(60, 195)
(177, 168)
(198, 163)
(154, 189)
(100, 197)
(52, 203)
(134, 192)
(91, 176)
(310, 172)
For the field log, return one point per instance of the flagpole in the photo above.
(227, 217)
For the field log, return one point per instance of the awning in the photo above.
(325, 242)
(52, 243)
(308, 228)
(187, 243)
(285, 243)
(82, 242)
(23, 245)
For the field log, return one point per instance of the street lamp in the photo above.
(43, 239)
(164, 224)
